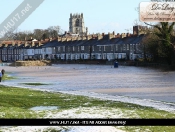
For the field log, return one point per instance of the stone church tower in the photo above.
(76, 24)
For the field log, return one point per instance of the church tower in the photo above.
(76, 24)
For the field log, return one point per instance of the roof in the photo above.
(94, 41)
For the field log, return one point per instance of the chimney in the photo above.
(73, 38)
(59, 38)
(6, 45)
(78, 38)
(88, 37)
(39, 44)
(18, 43)
(99, 36)
(13, 43)
(33, 43)
(84, 38)
(118, 35)
(110, 35)
(123, 35)
(63, 39)
(25, 44)
(68, 38)
(137, 30)
(128, 35)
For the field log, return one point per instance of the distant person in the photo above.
(3, 72)
(0, 76)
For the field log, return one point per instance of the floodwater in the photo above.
(138, 82)
(36, 108)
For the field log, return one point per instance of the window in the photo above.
(92, 48)
(64, 48)
(82, 47)
(73, 48)
(124, 47)
(111, 47)
(77, 23)
(131, 47)
(58, 49)
(25, 52)
(104, 48)
(127, 46)
(99, 48)
(78, 48)
(137, 47)
(68, 49)
(116, 47)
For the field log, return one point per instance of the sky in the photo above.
(100, 16)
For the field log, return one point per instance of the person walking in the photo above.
(3, 72)
(0, 76)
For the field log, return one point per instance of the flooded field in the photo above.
(138, 82)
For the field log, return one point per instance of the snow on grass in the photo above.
(160, 105)
(62, 129)
(89, 112)
(81, 112)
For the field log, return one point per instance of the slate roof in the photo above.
(101, 42)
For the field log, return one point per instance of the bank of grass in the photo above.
(16, 103)
(7, 77)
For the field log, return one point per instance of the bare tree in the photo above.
(38, 33)
(53, 31)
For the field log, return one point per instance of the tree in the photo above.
(150, 47)
(53, 31)
(164, 32)
(38, 34)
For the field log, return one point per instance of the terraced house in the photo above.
(100, 46)
(20, 50)
(109, 46)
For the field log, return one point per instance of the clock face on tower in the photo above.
(77, 22)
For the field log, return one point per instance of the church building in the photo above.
(76, 25)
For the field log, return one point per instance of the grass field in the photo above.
(16, 103)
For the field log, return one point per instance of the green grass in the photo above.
(15, 103)
(6, 77)
(36, 84)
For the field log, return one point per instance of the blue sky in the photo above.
(99, 15)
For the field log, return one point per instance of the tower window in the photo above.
(77, 22)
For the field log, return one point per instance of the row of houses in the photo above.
(100, 46)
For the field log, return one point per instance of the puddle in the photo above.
(44, 108)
